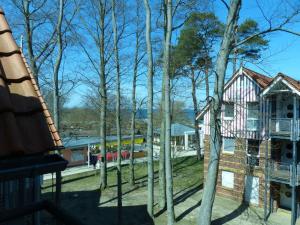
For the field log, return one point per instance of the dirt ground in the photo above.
(82, 198)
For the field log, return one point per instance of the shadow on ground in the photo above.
(231, 216)
(84, 205)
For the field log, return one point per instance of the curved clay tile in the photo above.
(26, 126)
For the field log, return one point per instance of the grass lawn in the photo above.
(82, 198)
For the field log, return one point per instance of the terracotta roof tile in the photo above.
(293, 82)
(26, 126)
(261, 79)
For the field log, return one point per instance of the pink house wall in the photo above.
(240, 90)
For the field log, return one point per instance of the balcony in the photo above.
(283, 128)
(283, 172)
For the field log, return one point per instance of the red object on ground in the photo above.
(112, 156)
(125, 154)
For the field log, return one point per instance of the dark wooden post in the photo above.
(58, 188)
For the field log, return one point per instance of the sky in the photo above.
(281, 56)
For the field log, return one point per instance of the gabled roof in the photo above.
(289, 82)
(25, 123)
(262, 80)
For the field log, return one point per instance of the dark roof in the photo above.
(25, 123)
(260, 79)
(293, 82)
(76, 142)
(178, 129)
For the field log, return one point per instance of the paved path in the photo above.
(85, 168)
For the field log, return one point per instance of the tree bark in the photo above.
(118, 103)
(133, 97)
(162, 162)
(29, 41)
(56, 96)
(103, 97)
(150, 201)
(215, 113)
(196, 124)
(207, 81)
(166, 73)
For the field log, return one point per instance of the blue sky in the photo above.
(281, 56)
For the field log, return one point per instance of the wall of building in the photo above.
(240, 91)
(69, 154)
(236, 164)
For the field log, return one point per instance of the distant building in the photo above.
(182, 138)
(77, 148)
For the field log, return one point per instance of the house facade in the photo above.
(260, 132)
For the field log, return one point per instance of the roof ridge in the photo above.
(260, 74)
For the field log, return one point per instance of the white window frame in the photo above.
(229, 117)
(253, 119)
(228, 152)
(227, 182)
(248, 154)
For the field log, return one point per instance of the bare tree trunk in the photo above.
(103, 100)
(196, 124)
(215, 113)
(162, 162)
(150, 201)
(118, 103)
(133, 96)
(56, 97)
(166, 72)
(207, 81)
(29, 41)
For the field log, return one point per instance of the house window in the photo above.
(227, 179)
(252, 116)
(228, 111)
(253, 152)
(228, 145)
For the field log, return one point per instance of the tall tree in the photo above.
(250, 50)
(97, 28)
(192, 55)
(166, 77)
(162, 156)
(118, 103)
(56, 94)
(150, 201)
(215, 113)
(137, 60)
(102, 10)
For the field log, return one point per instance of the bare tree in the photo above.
(150, 194)
(56, 97)
(97, 28)
(118, 104)
(39, 32)
(137, 60)
(162, 156)
(166, 74)
(215, 130)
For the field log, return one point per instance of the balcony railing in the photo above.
(282, 127)
(283, 172)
